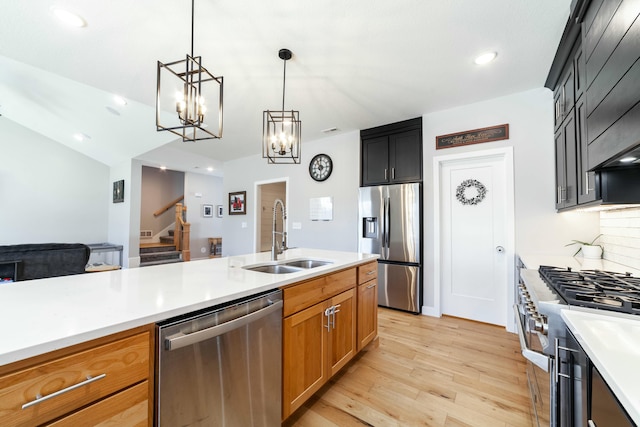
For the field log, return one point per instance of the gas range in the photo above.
(594, 288)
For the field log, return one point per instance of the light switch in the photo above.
(244, 225)
(297, 226)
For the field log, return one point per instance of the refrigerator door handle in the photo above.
(387, 221)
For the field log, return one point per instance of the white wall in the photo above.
(211, 192)
(49, 192)
(124, 218)
(342, 185)
(538, 228)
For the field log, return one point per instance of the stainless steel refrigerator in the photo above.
(390, 224)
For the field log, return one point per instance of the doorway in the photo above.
(266, 194)
(474, 235)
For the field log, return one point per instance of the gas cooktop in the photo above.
(594, 288)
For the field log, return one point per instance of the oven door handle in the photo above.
(539, 359)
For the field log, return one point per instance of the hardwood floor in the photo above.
(426, 372)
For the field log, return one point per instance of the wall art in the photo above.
(475, 136)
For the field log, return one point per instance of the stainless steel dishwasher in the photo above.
(222, 366)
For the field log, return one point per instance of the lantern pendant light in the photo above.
(281, 129)
(193, 94)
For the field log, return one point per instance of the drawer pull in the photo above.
(40, 398)
(369, 273)
(371, 286)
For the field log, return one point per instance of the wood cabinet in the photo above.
(392, 153)
(105, 380)
(320, 332)
(566, 157)
(367, 304)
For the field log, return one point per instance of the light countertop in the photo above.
(612, 342)
(533, 261)
(38, 316)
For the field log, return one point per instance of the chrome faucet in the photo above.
(275, 248)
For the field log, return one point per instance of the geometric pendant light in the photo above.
(192, 97)
(281, 129)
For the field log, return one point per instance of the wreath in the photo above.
(471, 183)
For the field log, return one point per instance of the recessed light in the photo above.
(485, 58)
(210, 169)
(119, 100)
(81, 136)
(164, 168)
(628, 159)
(69, 18)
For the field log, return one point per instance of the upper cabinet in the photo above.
(392, 153)
(594, 77)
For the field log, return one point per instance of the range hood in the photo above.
(618, 186)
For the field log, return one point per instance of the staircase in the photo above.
(159, 253)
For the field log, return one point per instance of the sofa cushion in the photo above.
(41, 260)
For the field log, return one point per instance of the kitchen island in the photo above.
(80, 349)
(39, 316)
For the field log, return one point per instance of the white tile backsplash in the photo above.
(621, 236)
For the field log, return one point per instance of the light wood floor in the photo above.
(426, 372)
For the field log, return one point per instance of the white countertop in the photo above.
(533, 261)
(612, 342)
(38, 316)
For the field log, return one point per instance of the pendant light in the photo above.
(193, 94)
(281, 129)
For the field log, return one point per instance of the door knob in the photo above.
(500, 249)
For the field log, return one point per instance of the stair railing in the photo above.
(168, 206)
(182, 232)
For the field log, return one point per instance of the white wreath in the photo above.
(468, 183)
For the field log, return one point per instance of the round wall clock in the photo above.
(320, 167)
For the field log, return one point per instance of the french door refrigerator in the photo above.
(390, 224)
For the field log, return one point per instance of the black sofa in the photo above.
(41, 260)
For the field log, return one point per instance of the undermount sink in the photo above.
(284, 267)
(307, 263)
(273, 268)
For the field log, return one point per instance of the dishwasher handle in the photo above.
(183, 340)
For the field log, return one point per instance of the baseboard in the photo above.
(430, 311)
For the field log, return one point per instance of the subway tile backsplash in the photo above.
(621, 236)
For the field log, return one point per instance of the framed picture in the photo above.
(207, 211)
(220, 210)
(118, 191)
(238, 203)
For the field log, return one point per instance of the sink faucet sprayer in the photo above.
(275, 248)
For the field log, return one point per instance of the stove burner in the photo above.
(595, 288)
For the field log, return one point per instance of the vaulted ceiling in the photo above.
(356, 64)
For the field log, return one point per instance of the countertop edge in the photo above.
(353, 259)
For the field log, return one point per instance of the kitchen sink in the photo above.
(273, 268)
(284, 267)
(307, 263)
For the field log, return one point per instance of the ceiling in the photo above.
(356, 64)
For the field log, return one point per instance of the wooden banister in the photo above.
(182, 233)
(168, 206)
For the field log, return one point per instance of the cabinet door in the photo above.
(304, 369)
(564, 95)
(586, 180)
(375, 161)
(342, 336)
(129, 408)
(566, 164)
(367, 313)
(405, 156)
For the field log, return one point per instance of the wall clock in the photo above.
(320, 167)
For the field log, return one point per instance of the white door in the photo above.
(474, 268)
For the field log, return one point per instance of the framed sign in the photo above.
(237, 203)
(475, 136)
(118, 191)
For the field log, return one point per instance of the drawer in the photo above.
(129, 408)
(306, 294)
(367, 272)
(123, 363)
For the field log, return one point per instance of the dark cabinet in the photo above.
(586, 180)
(566, 163)
(392, 153)
(611, 32)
